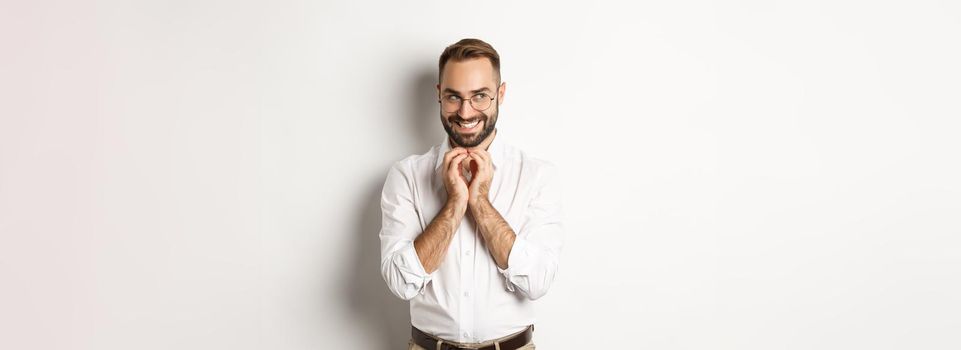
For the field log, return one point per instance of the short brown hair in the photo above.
(467, 49)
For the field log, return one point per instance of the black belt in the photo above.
(429, 342)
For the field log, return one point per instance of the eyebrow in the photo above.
(449, 90)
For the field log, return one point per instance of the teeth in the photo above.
(471, 125)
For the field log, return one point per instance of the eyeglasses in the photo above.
(480, 102)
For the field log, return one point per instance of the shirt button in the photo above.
(467, 252)
(466, 335)
(467, 294)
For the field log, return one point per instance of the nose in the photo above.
(465, 108)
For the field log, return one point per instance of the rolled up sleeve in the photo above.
(533, 260)
(400, 225)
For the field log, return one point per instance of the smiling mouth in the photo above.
(468, 125)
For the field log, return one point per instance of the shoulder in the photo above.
(405, 174)
(415, 164)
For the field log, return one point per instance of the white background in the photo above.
(738, 175)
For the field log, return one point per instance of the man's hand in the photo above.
(454, 180)
(497, 234)
(482, 172)
(431, 245)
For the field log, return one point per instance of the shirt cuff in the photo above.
(411, 269)
(517, 262)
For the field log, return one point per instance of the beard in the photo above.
(470, 140)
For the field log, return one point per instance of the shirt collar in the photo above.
(496, 150)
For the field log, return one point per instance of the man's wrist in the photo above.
(455, 207)
(477, 202)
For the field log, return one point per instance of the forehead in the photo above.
(469, 75)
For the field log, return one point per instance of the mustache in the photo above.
(462, 120)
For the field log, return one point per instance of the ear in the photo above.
(438, 92)
(500, 93)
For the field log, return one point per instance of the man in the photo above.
(471, 229)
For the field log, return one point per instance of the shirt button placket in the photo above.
(467, 282)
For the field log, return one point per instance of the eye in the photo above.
(480, 97)
(453, 98)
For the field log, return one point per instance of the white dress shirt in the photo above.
(468, 298)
